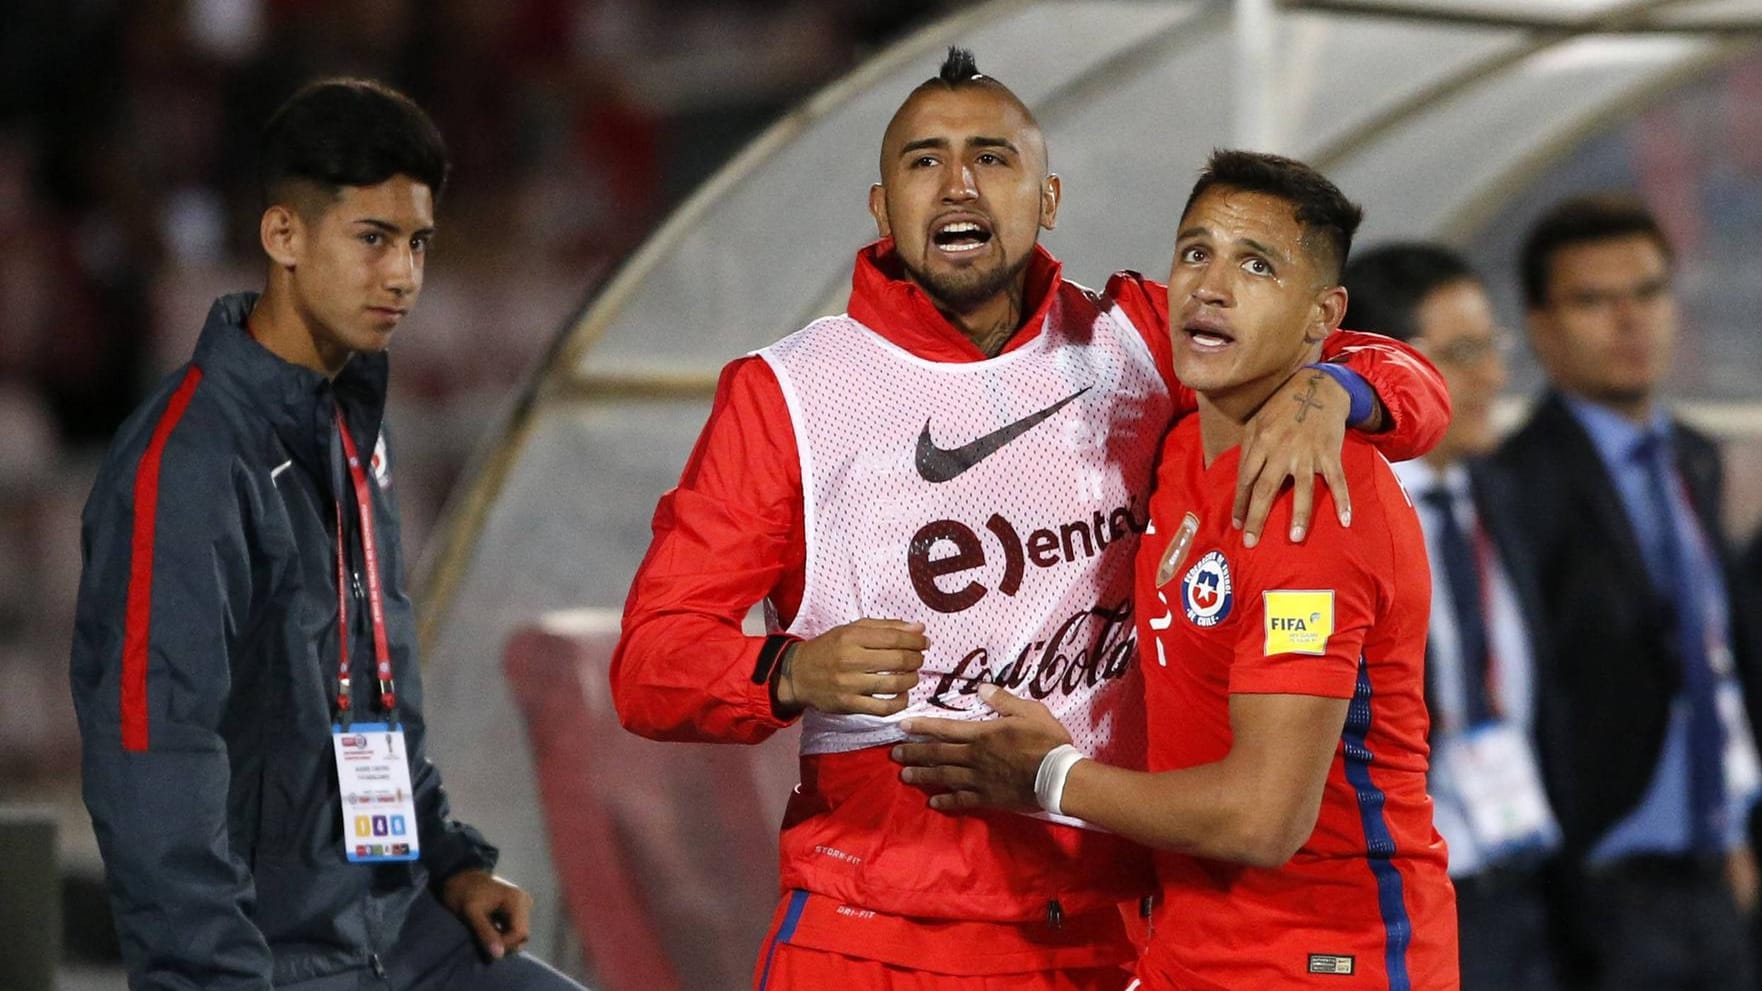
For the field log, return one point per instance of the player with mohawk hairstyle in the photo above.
(943, 488)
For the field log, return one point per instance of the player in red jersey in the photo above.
(1286, 791)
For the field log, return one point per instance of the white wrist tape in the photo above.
(1049, 781)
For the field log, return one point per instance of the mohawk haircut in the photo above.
(959, 67)
(1327, 217)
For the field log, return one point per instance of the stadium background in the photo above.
(644, 189)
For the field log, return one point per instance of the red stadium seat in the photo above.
(666, 853)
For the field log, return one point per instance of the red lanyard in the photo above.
(388, 699)
(1483, 559)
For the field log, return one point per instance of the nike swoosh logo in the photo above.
(938, 464)
(284, 466)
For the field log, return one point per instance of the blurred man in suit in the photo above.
(1482, 641)
(1648, 743)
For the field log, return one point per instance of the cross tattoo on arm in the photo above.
(1306, 400)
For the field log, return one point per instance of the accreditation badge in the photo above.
(1743, 768)
(1500, 789)
(379, 806)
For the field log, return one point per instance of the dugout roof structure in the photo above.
(1451, 119)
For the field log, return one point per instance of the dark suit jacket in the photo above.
(1611, 666)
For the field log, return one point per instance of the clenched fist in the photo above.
(868, 667)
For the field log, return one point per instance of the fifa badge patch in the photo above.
(1176, 553)
(1299, 621)
(1205, 591)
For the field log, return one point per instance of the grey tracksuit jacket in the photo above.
(204, 674)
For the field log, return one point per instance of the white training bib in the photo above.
(998, 502)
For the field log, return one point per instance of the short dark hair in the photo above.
(1386, 285)
(349, 132)
(1583, 220)
(1321, 209)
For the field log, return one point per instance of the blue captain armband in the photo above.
(1358, 391)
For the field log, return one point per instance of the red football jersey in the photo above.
(1366, 902)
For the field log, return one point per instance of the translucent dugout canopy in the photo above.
(1451, 119)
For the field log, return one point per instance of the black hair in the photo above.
(1386, 285)
(349, 132)
(1321, 209)
(959, 67)
(1582, 220)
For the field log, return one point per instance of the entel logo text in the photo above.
(1044, 548)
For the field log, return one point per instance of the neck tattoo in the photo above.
(992, 339)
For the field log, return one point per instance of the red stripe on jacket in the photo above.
(136, 635)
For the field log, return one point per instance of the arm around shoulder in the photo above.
(1414, 402)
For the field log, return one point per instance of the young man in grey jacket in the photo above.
(244, 660)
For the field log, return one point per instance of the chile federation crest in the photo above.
(1205, 591)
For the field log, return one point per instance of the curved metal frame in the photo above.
(1477, 210)
(1635, 15)
(1556, 34)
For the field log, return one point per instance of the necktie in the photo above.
(1462, 572)
(1677, 573)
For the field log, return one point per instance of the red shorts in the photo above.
(817, 942)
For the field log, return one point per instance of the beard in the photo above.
(963, 289)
